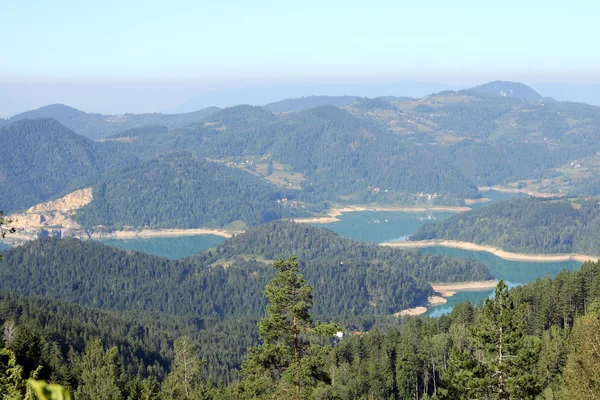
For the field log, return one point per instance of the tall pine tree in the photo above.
(290, 362)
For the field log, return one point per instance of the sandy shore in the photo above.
(482, 200)
(333, 214)
(450, 289)
(444, 290)
(420, 310)
(22, 236)
(150, 233)
(494, 250)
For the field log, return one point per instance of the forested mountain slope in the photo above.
(97, 126)
(535, 341)
(49, 332)
(336, 153)
(43, 159)
(180, 191)
(532, 225)
(287, 239)
(222, 283)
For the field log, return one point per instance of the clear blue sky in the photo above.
(130, 55)
(311, 40)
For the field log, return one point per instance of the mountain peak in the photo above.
(56, 111)
(515, 90)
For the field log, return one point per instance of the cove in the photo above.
(168, 247)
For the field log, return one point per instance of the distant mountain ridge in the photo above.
(260, 96)
(98, 126)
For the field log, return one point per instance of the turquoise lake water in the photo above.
(168, 247)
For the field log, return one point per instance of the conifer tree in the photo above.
(582, 372)
(289, 363)
(99, 373)
(185, 379)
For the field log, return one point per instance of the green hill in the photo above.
(305, 103)
(46, 159)
(532, 225)
(181, 191)
(338, 154)
(359, 280)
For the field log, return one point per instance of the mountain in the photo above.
(259, 96)
(533, 225)
(98, 126)
(324, 151)
(304, 103)
(515, 90)
(65, 292)
(180, 191)
(47, 159)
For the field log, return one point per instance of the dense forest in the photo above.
(180, 191)
(365, 157)
(532, 225)
(45, 159)
(352, 279)
(538, 341)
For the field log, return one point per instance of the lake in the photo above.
(379, 227)
(168, 247)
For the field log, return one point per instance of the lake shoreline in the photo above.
(444, 290)
(506, 255)
(22, 235)
(334, 212)
(156, 233)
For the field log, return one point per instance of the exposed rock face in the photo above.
(68, 204)
(52, 215)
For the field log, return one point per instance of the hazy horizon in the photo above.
(146, 56)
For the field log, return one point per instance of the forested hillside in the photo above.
(44, 159)
(97, 126)
(532, 225)
(359, 280)
(535, 340)
(381, 150)
(336, 153)
(287, 239)
(181, 191)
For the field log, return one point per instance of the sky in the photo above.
(141, 49)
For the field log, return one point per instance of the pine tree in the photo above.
(501, 362)
(582, 372)
(99, 373)
(185, 380)
(290, 363)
